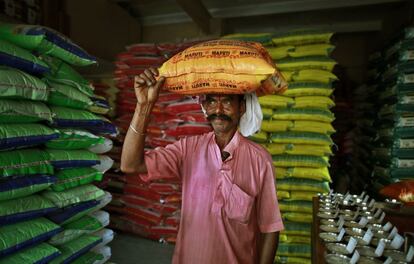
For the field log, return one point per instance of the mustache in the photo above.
(219, 116)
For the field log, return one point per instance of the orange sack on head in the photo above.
(223, 67)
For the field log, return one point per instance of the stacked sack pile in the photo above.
(394, 142)
(51, 140)
(296, 131)
(151, 210)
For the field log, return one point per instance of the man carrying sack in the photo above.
(229, 211)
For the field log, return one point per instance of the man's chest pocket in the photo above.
(238, 205)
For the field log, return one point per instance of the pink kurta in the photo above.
(225, 205)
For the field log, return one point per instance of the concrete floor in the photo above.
(131, 249)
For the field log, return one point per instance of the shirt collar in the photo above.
(231, 147)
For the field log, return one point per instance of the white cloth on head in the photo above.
(251, 120)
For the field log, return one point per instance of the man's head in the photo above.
(224, 111)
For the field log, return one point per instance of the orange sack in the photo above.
(223, 67)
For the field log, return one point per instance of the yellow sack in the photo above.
(312, 50)
(283, 195)
(321, 102)
(292, 238)
(319, 174)
(260, 137)
(308, 89)
(299, 161)
(222, 67)
(301, 138)
(301, 38)
(302, 196)
(310, 75)
(267, 113)
(297, 229)
(304, 114)
(263, 38)
(297, 126)
(295, 206)
(292, 260)
(276, 101)
(298, 149)
(312, 62)
(293, 184)
(280, 52)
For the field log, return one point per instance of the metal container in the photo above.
(337, 248)
(328, 236)
(337, 259)
(395, 255)
(359, 239)
(353, 231)
(369, 260)
(329, 228)
(366, 251)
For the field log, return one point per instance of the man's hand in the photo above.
(147, 88)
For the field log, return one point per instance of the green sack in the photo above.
(16, 84)
(85, 225)
(26, 204)
(297, 229)
(41, 253)
(73, 249)
(25, 162)
(95, 256)
(25, 233)
(45, 40)
(23, 135)
(318, 115)
(75, 195)
(295, 206)
(65, 74)
(311, 62)
(64, 159)
(22, 111)
(308, 89)
(295, 184)
(21, 186)
(301, 138)
(68, 96)
(70, 178)
(74, 139)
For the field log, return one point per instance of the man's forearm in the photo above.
(132, 158)
(268, 247)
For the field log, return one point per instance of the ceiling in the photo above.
(243, 15)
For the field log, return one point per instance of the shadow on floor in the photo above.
(131, 249)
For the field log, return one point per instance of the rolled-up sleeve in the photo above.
(268, 213)
(164, 163)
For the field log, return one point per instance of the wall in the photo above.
(101, 27)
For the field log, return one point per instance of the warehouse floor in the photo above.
(131, 249)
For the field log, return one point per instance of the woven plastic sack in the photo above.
(219, 66)
(41, 253)
(21, 235)
(263, 38)
(276, 101)
(21, 135)
(74, 139)
(312, 62)
(301, 37)
(308, 89)
(311, 75)
(102, 147)
(25, 162)
(298, 149)
(95, 256)
(23, 209)
(68, 96)
(16, 84)
(70, 178)
(72, 196)
(99, 105)
(45, 40)
(319, 102)
(277, 53)
(294, 250)
(318, 174)
(20, 186)
(64, 159)
(267, 113)
(297, 229)
(301, 138)
(16, 57)
(292, 260)
(312, 50)
(281, 195)
(65, 74)
(293, 184)
(23, 111)
(297, 239)
(318, 115)
(85, 225)
(302, 195)
(107, 235)
(299, 161)
(297, 217)
(260, 137)
(75, 248)
(295, 206)
(297, 126)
